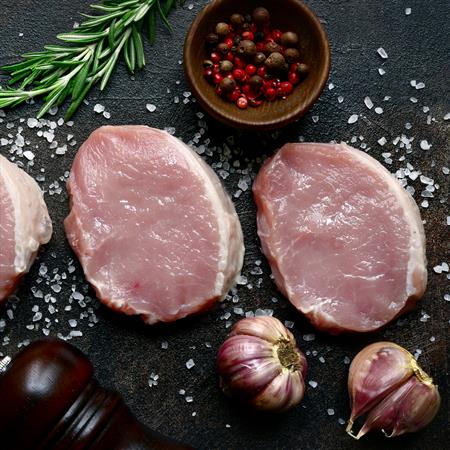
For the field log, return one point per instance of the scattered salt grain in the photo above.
(330, 411)
(424, 145)
(353, 118)
(382, 52)
(29, 155)
(407, 11)
(190, 363)
(98, 108)
(379, 110)
(309, 337)
(382, 141)
(73, 323)
(368, 102)
(341, 99)
(189, 399)
(381, 71)
(447, 116)
(150, 107)
(288, 324)
(313, 384)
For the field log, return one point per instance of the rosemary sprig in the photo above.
(62, 71)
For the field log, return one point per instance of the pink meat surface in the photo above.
(344, 240)
(154, 230)
(24, 224)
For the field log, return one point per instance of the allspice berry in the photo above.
(228, 85)
(246, 48)
(261, 16)
(272, 47)
(275, 62)
(260, 58)
(237, 19)
(303, 70)
(225, 66)
(256, 82)
(289, 39)
(222, 29)
(292, 55)
(212, 39)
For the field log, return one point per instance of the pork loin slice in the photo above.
(344, 240)
(24, 224)
(151, 224)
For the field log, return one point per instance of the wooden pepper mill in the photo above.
(50, 401)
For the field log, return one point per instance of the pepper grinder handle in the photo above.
(49, 400)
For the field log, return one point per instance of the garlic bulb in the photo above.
(386, 383)
(261, 365)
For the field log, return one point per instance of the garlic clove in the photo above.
(285, 390)
(409, 408)
(375, 372)
(248, 363)
(264, 327)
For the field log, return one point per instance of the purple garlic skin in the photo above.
(261, 365)
(386, 383)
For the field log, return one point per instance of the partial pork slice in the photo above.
(344, 240)
(24, 224)
(154, 230)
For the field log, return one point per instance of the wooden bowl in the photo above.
(286, 15)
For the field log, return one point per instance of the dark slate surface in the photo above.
(124, 351)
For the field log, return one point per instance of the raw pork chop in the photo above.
(154, 230)
(24, 224)
(345, 242)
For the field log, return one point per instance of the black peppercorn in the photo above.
(256, 81)
(272, 47)
(225, 66)
(237, 19)
(261, 16)
(248, 18)
(237, 39)
(246, 48)
(207, 64)
(246, 26)
(223, 48)
(228, 84)
(303, 70)
(292, 55)
(212, 39)
(259, 36)
(222, 29)
(275, 62)
(289, 39)
(260, 58)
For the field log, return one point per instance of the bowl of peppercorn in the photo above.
(258, 64)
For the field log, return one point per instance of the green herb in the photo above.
(62, 71)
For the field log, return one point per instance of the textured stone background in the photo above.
(124, 351)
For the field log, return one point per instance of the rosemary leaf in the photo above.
(88, 55)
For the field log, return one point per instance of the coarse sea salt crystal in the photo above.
(313, 384)
(447, 116)
(382, 52)
(309, 337)
(368, 102)
(150, 107)
(353, 118)
(408, 11)
(379, 110)
(29, 155)
(330, 411)
(424, 145)
(381, 71)
(190, 363)
(98, 108)
(382, 141)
